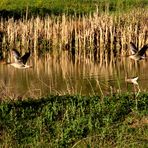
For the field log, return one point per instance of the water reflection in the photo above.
(52, 76)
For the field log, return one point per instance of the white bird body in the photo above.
(19, 65)
(132, 80)
(136, 57)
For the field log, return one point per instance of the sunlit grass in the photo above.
(75, 121)
(20, 8)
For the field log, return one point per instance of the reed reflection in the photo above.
(60, 76)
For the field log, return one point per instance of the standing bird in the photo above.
(20, 61)
(138, 55)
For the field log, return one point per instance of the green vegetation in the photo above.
(18, 8)
(75, 121)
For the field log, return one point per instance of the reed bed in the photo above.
(97, 37)
(54, 40)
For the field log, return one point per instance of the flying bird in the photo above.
(20, 61)
(138, 54)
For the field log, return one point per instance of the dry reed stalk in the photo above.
(97, 37)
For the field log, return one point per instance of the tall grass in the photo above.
(97, 37)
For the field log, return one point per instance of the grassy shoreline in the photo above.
(75, 121)
(19, 8)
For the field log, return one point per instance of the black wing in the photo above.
(25, 57)
(134, 49)
(142, 51)
(16, 54)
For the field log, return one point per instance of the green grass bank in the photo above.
(19, 8)
(75, 121)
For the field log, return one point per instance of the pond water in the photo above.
(52, 76)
